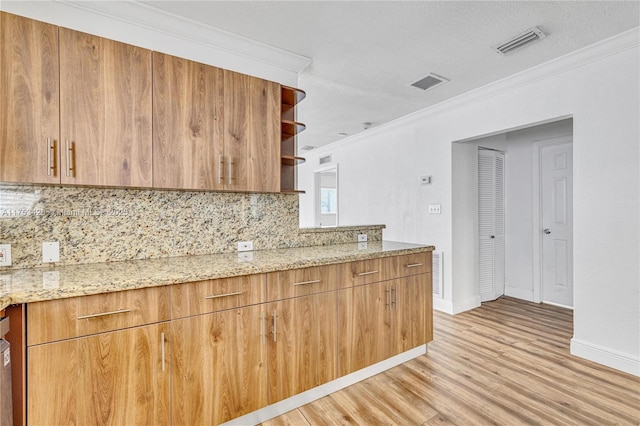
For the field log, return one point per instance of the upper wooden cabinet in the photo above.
(251, 133)
(29, 96)
(187, 124)
(105, 111)
(76, 108)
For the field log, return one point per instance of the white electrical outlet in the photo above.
(425, 180)
(434, 208)
(245, 246)
(362, 238)
(5, 254)
(50, 252)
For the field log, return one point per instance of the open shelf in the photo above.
(292, 96)
(292, 160)
(289, 129)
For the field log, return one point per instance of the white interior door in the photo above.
(557, 224)
(491, 221)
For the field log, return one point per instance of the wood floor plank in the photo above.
(292, 418)
(505, 363)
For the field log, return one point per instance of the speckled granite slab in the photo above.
(105, 224)
(38, 284)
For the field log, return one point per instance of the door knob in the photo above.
(547, 231)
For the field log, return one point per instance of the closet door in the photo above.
(490, 224)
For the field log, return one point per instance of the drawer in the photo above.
(202, 297)
(84, 315)
(412, 264)
(366, 271)
(301, 282)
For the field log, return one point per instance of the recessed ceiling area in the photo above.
(366, 54)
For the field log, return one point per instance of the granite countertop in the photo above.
(48, 283)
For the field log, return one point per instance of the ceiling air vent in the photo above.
(531, 35)
(429, 81)
(326, 159)
(307, 148)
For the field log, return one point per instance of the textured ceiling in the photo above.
(366, 54)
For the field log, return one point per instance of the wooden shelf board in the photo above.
(292, 96)
(292, 160)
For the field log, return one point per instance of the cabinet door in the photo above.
(251, 133)
(105, 111)
(364, 326)
(29, 96)
(302, 344)
(410, 305)
(187, 124)
(115, 378)
(218, 366)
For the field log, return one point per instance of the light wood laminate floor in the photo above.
(505, 363)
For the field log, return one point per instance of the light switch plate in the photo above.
(5, 254)
(50, 252)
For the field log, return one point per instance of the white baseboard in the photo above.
(519, 293)
(466, 305)
(605, 356)
(311, 395)
(443, 306)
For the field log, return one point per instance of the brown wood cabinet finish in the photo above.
(301, 282)
(218, 366)
(302, 344)
(216, 295)
(187, 124)
(251, 133)
(105, 111)
(84, 315)
(114, 378)
(29, 96)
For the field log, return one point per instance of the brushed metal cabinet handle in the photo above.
(103, 314)
(220, 169)
(69, 149)
(307, 282)
(275, 325)
(414, 265)
(162, 348)
(230, 169)
(51, 159)
(361, 274)
(217, 296)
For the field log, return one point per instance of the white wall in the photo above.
(598, 87)
(166, 33)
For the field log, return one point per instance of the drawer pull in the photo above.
(103, 314)
(163, 354)
(217, 296)
(414, 265)
(307, 282)
(367, 273)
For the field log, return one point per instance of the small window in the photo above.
(328, 200)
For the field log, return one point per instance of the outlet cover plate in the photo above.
(245, 245)
(50, 252)
(362, 238)
(434, 208)
(5, 254)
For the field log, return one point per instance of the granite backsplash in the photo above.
(101, 224)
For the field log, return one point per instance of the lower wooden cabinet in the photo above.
(302, 344)
(380, 320)
(115, 378)
(218, 366)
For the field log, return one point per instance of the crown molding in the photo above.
(622, 42)
(116, 19)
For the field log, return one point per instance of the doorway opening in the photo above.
(536, 264)
(326, 197)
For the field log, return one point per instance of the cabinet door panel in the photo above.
(187, 124)
(105, 110)
(114, 378)
(303, 354)
(251, 133)
(364, 326)
(29, 113)
(218, 366)
(411, 304)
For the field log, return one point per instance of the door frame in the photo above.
(537, 209)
